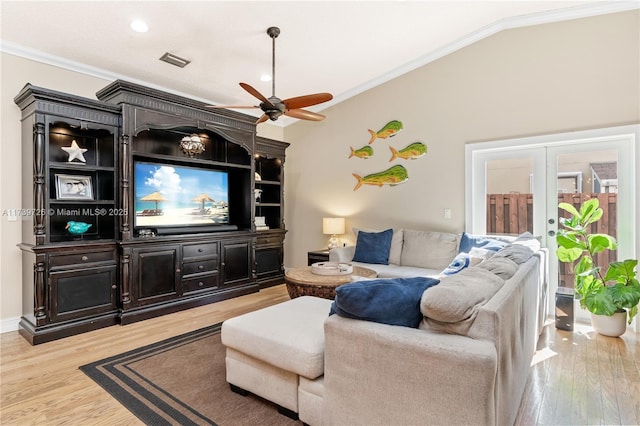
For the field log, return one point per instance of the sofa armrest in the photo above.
(381, 374)
(342, 254)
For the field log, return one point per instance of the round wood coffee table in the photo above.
(303, 282)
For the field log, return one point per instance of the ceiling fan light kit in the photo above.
(274, 107)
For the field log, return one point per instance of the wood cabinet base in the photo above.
(42, 334)
(150, 311)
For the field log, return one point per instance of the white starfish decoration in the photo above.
(75, 151)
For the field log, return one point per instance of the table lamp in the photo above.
(333, 226)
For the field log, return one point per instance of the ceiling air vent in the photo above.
(174, 60)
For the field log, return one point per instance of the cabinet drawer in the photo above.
(199, 250)
(81, 258)
(200, 283)
(199, 267)
(268, 240)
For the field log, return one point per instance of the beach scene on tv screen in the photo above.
(167, 195)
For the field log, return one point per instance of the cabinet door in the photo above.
(236, 262)
(82, 292)
(156, 274)
(268, 261)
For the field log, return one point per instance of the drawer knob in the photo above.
(114, 286)
(200, 284)
(84, 258)
(200, 250)
(200, 267)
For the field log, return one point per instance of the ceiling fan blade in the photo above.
(232, 106)
(262, 119)
(255, 93)
(304, 114)
(307, 100)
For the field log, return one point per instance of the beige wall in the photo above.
(543, 79)
(550, 78)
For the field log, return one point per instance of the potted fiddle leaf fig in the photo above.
(611, 295)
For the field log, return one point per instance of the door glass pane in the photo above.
(509, 195)
(582, 176)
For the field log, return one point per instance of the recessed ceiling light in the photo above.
(265, 77)
(139, 26)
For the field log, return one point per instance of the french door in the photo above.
(515, 185)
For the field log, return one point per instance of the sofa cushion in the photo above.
(394, 301)
(396, 243)
(427, 249)
(503, 267)
(517, 252)
(468, 241)
(457, 297)
(373, 247)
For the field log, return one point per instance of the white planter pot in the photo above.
(613, 326)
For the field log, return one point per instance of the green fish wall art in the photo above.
(389, 130)
(394, 175)
(411, 152)
(364, 152)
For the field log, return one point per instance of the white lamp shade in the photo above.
(333, 225)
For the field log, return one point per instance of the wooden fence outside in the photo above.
(513, 214)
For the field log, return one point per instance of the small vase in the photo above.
(613, 326)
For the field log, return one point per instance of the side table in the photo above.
(317, 256)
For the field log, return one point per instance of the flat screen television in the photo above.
(170, 196)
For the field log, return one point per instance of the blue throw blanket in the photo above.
(394, 301)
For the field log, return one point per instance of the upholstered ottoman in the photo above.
(271, 349)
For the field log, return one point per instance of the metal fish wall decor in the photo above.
(394, 175)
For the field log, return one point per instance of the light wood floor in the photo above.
(42, 385)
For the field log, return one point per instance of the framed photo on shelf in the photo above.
(73, 187)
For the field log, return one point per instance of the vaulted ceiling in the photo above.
(342, 47)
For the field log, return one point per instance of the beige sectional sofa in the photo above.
(467, 362)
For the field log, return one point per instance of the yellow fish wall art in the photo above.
(394, 175)
(389, 130)
(410, 152)
(364, 152)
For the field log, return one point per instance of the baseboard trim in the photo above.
(9, 324)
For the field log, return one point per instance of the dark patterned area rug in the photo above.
(181, 381)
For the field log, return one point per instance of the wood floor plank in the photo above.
(42, 385)
(579, 389)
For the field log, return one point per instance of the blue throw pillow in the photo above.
(461, 261)
(394, 301)
(373, 247)
(468, 241)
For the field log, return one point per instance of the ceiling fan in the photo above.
(273, 107)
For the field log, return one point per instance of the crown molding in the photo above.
(576, 12)
(59, 62)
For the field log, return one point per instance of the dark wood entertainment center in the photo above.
(117, 272)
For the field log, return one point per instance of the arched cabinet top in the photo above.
(144, 108)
